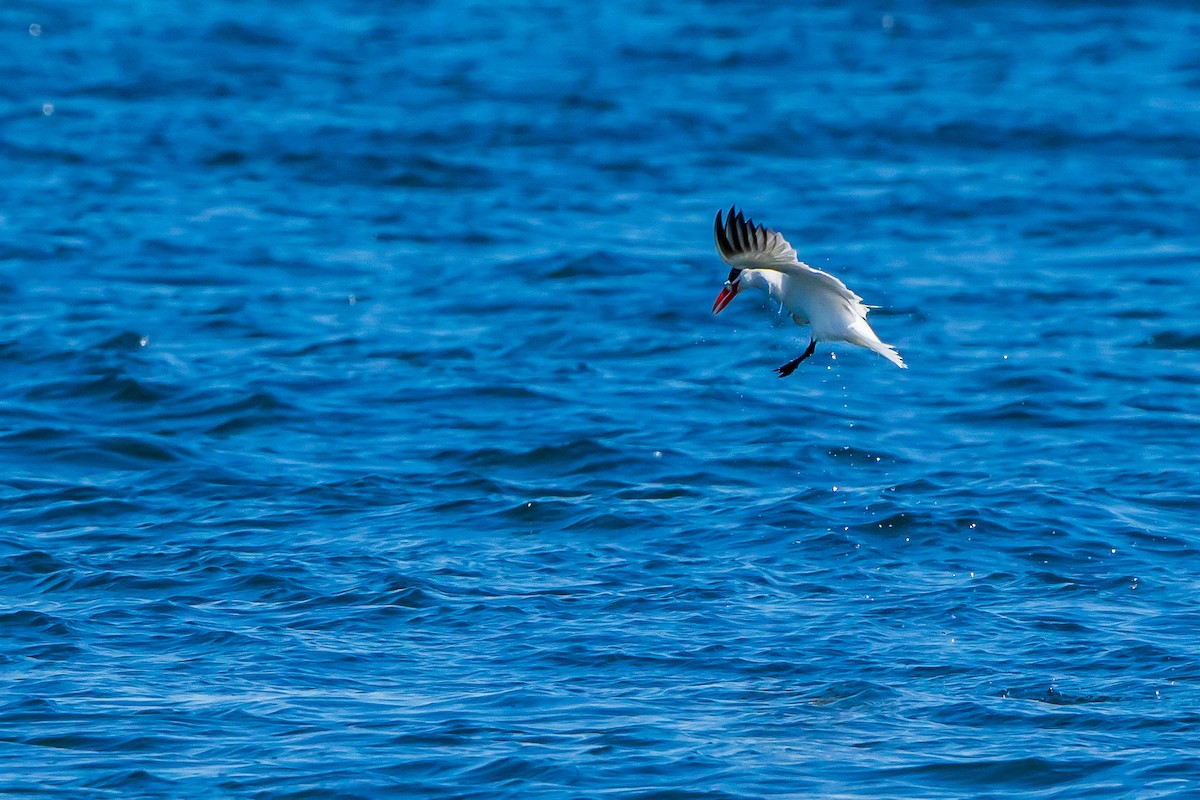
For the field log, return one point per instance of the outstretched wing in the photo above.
(744, 245)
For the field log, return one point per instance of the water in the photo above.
(365, 431)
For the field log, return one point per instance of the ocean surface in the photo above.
(365, 430)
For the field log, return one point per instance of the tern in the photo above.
(761, 258)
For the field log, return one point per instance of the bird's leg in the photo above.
(790, 367)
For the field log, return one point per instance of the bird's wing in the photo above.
(744, 245)
(820, 282)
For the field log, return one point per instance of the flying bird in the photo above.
(760, 258)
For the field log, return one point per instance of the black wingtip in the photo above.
(737, 233)
(731, 230)
(723, 245)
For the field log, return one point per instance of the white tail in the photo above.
(861, 334)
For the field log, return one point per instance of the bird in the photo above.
(760, 258)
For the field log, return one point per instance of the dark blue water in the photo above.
(365, 432)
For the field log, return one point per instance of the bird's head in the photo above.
(732, 285)
(740, 279)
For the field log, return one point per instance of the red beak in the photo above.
(727, 294)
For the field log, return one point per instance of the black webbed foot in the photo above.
(790, 367)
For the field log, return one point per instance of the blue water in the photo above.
(365, 430)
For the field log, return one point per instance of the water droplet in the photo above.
(35, 30)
